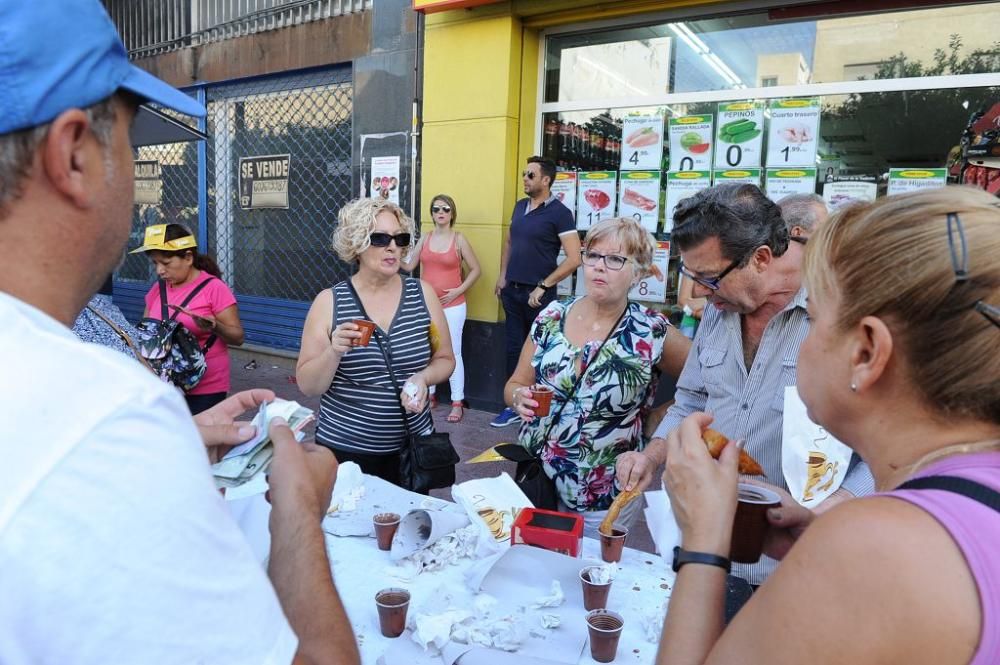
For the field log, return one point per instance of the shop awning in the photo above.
(152, 127)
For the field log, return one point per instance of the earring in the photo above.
(854, 387)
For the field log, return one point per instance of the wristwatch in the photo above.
(682, 557)
(542, 285)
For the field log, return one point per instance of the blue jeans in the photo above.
(520, 316)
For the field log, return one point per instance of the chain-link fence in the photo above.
(275, 259)
(273, 252)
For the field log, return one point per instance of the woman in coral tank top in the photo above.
(440, 255)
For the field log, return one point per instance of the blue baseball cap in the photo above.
(62, 54)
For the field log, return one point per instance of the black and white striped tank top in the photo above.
(360, 412)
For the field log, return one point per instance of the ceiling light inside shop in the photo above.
(695, 43)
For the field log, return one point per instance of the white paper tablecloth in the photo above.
(360, 570)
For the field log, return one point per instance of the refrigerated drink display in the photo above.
(550, 146)
(565, 133)
(584, 158)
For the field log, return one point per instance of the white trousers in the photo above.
(456, 322)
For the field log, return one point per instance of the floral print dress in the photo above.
(604, 417)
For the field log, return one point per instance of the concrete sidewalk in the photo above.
(470, 437)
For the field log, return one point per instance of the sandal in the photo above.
(457, 411)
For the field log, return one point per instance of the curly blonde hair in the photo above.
(636, 242)
(356, 221)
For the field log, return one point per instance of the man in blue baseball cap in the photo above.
(114, 544)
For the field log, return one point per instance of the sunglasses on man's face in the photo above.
(436, 209)
(530, 175)
(383, 239)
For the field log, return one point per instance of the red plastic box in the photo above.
(548, 529)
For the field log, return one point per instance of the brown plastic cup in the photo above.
(750, 525)
(385, 528)
(392, 605)
(612, 545)
(595, 596)
(366, 328)
(542, 395)
(605, 629)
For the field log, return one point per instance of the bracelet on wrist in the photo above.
(683, 557)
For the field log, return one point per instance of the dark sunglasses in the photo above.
(383, 239)
(530, 175)
(437, 209)
(712, 283)
(960, 265)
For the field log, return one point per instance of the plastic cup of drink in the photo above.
(613, 544)
(366, 328)
(392, 605)
(385, 528)
(605, 629)
(750, 525)
(595, 596)
(542, 395)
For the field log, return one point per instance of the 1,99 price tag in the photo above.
(794, 131)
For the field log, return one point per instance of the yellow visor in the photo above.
(154, 240)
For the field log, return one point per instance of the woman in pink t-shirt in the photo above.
(900, 364)
(211, 315)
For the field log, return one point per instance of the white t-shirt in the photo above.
(115, 546)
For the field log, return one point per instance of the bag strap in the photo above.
(173, 317)
(579, 379)
(124, 337)
(386, 355)
(967, 488)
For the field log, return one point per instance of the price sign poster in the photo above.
(596, 197)
(148, 182)
(844, 192)
(691, 143)
(639, 197)
(654, 287)
(642, 143)
(680, 185)
(911, 180)
(565, 287)
(785, 182)
(264, 181)
(794, 131)
(740, 140)
(564, 189)
(740, 176)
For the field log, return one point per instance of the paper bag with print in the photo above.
(813, 462)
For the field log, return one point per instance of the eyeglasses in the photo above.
(436, 209)
(960, 265)
(712, 283)
(611, 261)
(383, 239)
(530, 175)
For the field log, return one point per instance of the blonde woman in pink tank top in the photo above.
(441, 255)
(901, 364)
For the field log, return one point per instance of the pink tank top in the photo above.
(442, 270)
(975, 528)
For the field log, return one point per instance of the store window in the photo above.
(829, 127)
(738, 52)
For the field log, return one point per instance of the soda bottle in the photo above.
(689, 324)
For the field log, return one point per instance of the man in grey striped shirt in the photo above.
(733, 244)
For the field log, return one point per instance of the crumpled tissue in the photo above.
(348, 490)
(554, 599)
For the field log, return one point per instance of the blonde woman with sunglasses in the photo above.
(361, 410)
(441, 255)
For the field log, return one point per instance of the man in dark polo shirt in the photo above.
(529, 269)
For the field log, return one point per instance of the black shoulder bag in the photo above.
(426, 461)
(529, 475)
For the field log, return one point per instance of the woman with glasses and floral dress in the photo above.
(361, 409)
(601, 355)
(440, 255)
